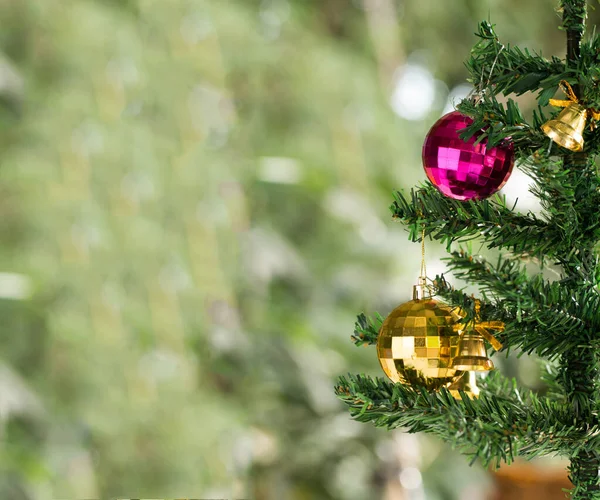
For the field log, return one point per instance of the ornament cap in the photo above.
(421, 290)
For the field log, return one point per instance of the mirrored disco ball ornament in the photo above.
(464, 170)
(417, 342)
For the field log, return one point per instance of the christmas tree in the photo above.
(556, 319)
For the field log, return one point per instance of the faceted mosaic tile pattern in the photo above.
(416, 344)
(464, 170)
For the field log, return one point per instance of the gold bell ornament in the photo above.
(418, 340)
(472, 355)
(567, 128)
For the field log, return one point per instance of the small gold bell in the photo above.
(472, 355)
(467, 383)
(567, 128)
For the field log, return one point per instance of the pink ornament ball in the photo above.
(464, 170)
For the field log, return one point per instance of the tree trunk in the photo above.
(580, 369)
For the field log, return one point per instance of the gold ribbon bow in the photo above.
(482, 327)
(572, 99)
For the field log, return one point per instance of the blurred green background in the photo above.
(194, 208)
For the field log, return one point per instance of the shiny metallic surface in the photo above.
(464, 170)
(417, 342)
(567, 128)
(472, 355)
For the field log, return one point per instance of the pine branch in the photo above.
(501, 424)
(553, 390)
(496, 68)
(533, 331)
(496, 123)
(366, 330)
(570, 199)
(468, 304)
(507, 279)
(569, 194)
(511, 69)
(549, 318)
(588, 72)
(449, 220)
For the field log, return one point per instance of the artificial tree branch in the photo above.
(496, 123)
(498, 426)
(546, 330)
(508, 279)
(366, 329)
(449, 220)
(510, 69)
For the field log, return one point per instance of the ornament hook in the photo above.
(421, 290)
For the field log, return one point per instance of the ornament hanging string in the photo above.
(477, 93)
(572, 99)
(494, 65)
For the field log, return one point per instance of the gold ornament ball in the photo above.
(417, 342)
